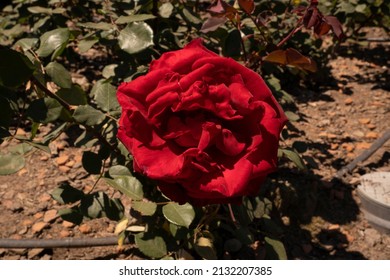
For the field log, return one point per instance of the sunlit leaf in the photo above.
(136, 37)
(53, 41)
(97, 25)
(181, 215)
(11, 163)
(133, 18)
(165, 10)
(128, 185)
(145, 208)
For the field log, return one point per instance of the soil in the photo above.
(323, 218)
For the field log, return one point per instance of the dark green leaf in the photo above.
(11, 163)
(53, 41)
(15, 68)
(65, 194)
(92, 162)
(232, 245)
(128, 185)
(136, 37)
(72, 215)
(87, 43)
(59, 75)
(92, 205)
(44, 110)
(153, 247)
(105, 96)
(294, 157)
(86, 114)
(205, 248)
(232, 46)
(145, 208)
(181, 215)
(275, 249)
(74, 95)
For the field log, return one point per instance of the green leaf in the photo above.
(153, 247)
(133, 18)
(27, 43)
(59, 75)
(65, 194)
(105, 96)
(128, 185)
(92, 162)
(11, 163)
(145, 208)
(86, 114)
(109, 71)
(43, 10)
(292, 155)
(97, 25)
(15, 68)
(292, 116)
(53, 41)
(181, 215)
(232, 45)
(44, 110)
(92, 205)
(275, 249)
(20, 149)
(74, 95)
(136, 37)
(87, 43)
(119, 170)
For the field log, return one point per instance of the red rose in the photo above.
(205, 127)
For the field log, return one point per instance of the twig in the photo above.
(365, 155)
(60, 243)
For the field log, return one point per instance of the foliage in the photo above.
(43, 44)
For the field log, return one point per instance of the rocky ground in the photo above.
(338, 123)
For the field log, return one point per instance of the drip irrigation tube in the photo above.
(59, 243)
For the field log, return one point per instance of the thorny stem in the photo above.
(70, 109)
(51, 94)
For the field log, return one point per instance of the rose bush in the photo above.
(204, 127)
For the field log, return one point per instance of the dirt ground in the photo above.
(322, 220)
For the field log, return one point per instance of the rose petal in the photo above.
(181, 61)
(228, 144)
